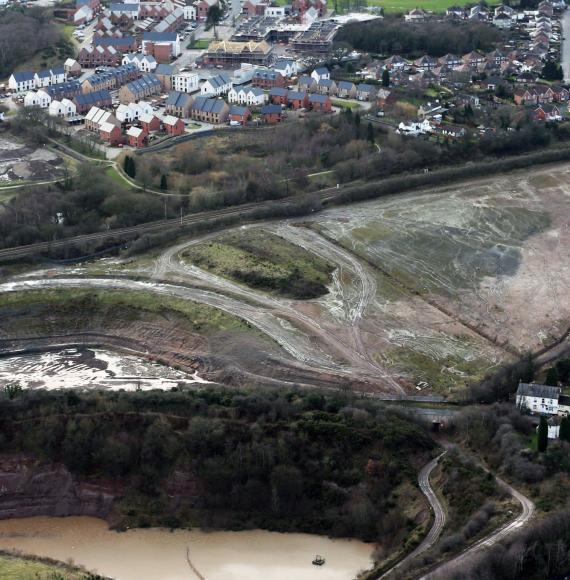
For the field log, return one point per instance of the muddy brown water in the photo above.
(159, 554)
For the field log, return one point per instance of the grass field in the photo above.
(263, 261)
(345, 104)
(13, 568)
(201, 44)
(117, 177)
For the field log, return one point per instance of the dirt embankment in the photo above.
(227, 357)
(31, 488)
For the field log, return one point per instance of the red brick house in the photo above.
(239, 114)
(560, 94)
(298, 100)
(279, 96)
(138, 137)
(202, 8)
(267, 79)
(254, 7)
(546, 112)
(321, 103)
(150, 123)
(173, 125)
(110, 133)
(271, 114)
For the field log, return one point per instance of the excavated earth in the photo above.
(430, 291)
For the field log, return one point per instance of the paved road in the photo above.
(438, 512)
(442, 571)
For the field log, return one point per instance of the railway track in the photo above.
(151, 227)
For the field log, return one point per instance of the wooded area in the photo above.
(281, 460)
(392, 35)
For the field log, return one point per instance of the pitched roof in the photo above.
(93, 98)
(296, 95)
(160, 36)
(164, 69)
(241, 111)
(23, 76)
(318, 98)
(266, 74)
(146, 117)
(278, 92)
(143, 84)
(271, 110)
(207, 105)
(540, 391)
(112, 41)
(257, 92)
(135, 132)
(219, 80)
(170, 120)
(178, 99)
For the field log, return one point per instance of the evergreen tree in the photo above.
(370, 133)
(528, 369)
(564, 433)
(552, 377)
(563, 368)
(385, 78)
(163, 182)
(357, 120)
(542, 442)
(126, 164)
(133, 168)
(552, 71)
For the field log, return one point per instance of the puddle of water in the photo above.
(158, 554)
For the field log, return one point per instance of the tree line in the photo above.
(392, 35)
(280, 459)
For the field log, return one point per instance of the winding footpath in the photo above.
(438, 512)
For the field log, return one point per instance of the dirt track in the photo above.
(438, 286)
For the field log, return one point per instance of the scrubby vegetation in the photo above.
(538, 551)
(472, 497)
(26, 32)
(33, 568)
(89, 202)
(29, 310)
(265, 261)
(283, 460)
(504, 437)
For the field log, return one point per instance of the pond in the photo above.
(160, 554)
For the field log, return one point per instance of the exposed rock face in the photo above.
(32, 488)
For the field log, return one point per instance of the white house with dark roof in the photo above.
(287, 67)
(320, 74)
(538, 399)
(27, 80)
(217, 85)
